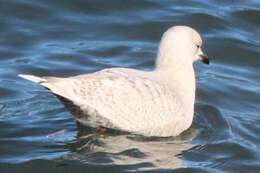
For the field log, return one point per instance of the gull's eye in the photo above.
(198, 46)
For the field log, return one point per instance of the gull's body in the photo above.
(152, 103)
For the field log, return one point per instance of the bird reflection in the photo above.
(118, 148)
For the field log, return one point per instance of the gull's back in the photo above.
(155, 103)
(125, 99)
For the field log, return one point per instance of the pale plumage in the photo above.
(151, 103)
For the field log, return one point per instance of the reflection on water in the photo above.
(130, 149)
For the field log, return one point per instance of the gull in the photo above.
(159, 102)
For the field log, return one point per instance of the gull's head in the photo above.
(182, 42)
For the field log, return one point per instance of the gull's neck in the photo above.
(176, 69)
(177, 73)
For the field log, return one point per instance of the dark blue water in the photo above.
(63, 38)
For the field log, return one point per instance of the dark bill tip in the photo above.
(204, 59)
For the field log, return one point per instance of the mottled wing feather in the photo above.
(127, 101)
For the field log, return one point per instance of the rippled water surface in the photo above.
(63, 38)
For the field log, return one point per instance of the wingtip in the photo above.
(32, 78)
(21, 75)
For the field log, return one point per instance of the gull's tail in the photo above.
(55, 85)
(32, 78)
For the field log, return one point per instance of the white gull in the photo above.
(151, 103)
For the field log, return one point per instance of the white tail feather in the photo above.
(32, 78)
(55, 87)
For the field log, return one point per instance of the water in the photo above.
(64, 38)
